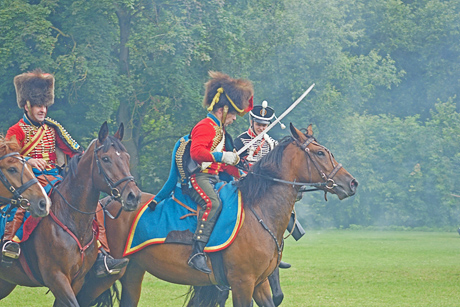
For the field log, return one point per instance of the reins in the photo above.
(17, 199)
(115, 193)
(328, 184)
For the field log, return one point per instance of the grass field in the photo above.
(339, 268)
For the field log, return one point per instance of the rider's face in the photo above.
(231, 117)
(259, 128)
(37, 113)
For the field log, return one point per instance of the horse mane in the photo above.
(7, 146)
(257, 182)
(109, 141)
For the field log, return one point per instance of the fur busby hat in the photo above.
(35, 88)
(222, 90)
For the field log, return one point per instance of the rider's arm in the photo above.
(18, 133)
(202, 136)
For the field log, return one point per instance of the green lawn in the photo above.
(339, 268)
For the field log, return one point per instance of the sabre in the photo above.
(276, 121)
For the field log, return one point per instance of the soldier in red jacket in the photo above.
(212, 148)
(46, 146)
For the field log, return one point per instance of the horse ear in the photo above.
(120, 132)
(103, 132)
(296, 133)
(310, 130)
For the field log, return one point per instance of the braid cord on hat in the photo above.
(216, 98)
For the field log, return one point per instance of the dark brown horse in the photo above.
(19, 187)
(269, 193)
(62, 249)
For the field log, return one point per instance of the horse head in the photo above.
(316, 164)
(112, 174)
(19, 185)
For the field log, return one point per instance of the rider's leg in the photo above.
(205, 195)
(10, 248)
(106, 264)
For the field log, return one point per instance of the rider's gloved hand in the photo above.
(230, 158)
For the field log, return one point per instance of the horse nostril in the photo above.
(354, 184)
(42, 204)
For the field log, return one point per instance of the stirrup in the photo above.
(105, 270)
(11, 250)
(204, 269)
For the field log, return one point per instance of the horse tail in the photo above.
(203, 296)
(107, 298)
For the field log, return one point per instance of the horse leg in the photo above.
(263, 296)
(94, 287)
(275, 285)
(223, 297)
(131, 283)
(60, 286)
(5, 288)
(242, 294)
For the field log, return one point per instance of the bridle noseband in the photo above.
(329, 183)
(115, 193)
(17, 199)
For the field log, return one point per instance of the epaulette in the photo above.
(63, 134)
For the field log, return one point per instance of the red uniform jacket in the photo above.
(206, 135)
(45, 148)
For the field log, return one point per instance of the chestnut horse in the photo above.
(19, 186)
(269, 192)
(62, 249)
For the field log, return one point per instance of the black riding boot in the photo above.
(107, 265)
(197, 259)
(284, 265)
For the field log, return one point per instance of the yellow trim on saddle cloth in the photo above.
(128, 250)
(238, 224)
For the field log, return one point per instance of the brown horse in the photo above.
(62, 248)
(269, 193)
(19, 186)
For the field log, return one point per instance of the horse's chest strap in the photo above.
(278, 246)
(82, 248)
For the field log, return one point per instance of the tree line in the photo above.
(386, 74)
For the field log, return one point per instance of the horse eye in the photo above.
(320, 153)
(105, 159)
(12, 170)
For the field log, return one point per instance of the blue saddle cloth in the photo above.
(153, 227)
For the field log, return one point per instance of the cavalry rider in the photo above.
(212, 148)
(46, 146)
(259, 119)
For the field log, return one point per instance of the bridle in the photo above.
(17, 199)
(328, 181)
(115, 193)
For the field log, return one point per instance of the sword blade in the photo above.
(288, 110)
